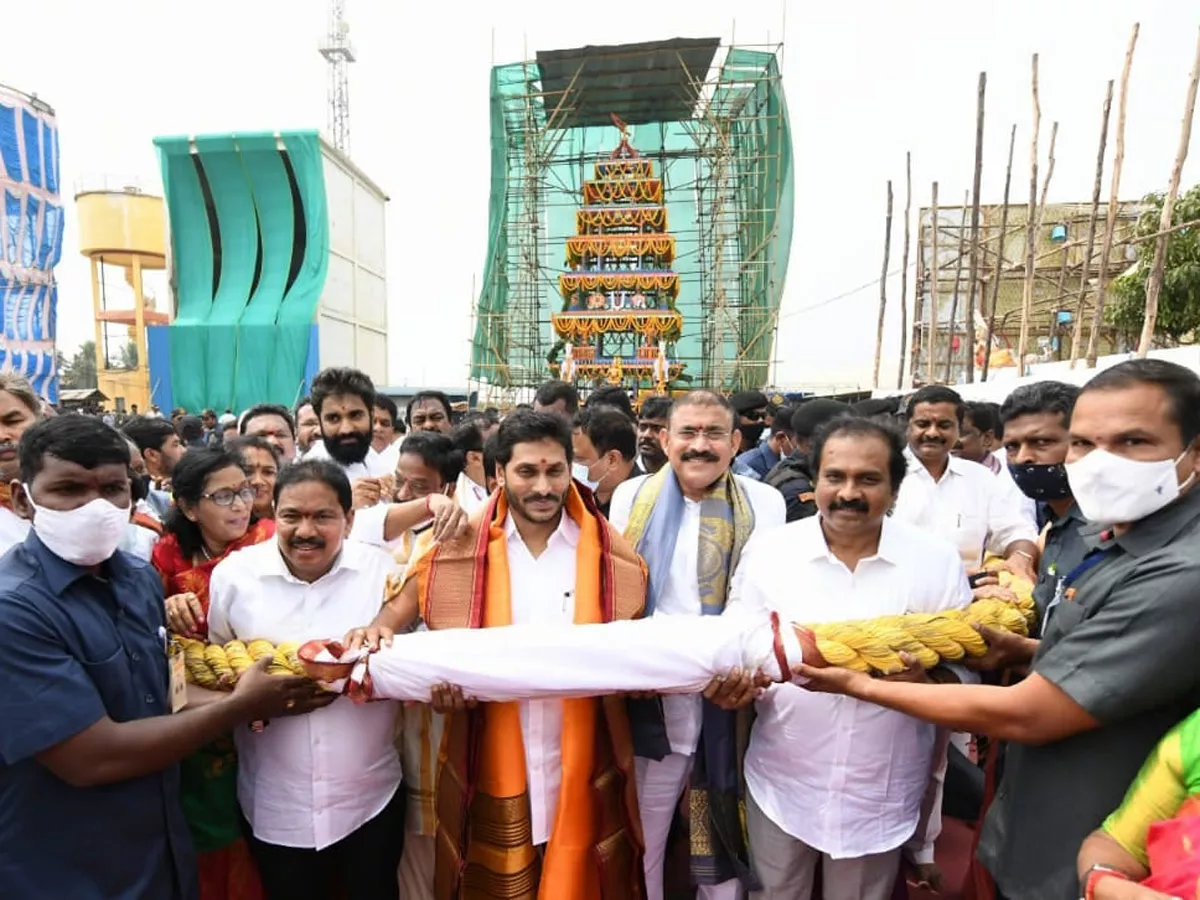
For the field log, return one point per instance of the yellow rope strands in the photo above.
(875, 645)
(872, 645)
(217, 668)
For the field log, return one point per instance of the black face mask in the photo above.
(751, 434)
(1041, 482)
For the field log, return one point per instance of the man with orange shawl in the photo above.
(535, 798)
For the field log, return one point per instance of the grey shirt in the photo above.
(1123, 647)
(1064, 548)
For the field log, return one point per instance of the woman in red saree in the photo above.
(212, 518)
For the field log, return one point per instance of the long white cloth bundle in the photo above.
(663, 654)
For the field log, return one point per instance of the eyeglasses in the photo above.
(755, 415)
(712, 435)
(225, 497)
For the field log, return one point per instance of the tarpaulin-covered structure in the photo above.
(31, 236)
(713, 120)
(250, 249)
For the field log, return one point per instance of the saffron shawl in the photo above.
(484, 835)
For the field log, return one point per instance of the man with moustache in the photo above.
(690, 522)
(274, 424)
(960, 501)
(832, 781)
(308, 426)
(1115, 669)
(322, 792)
(651, 423)
(531, 795)
(343, 400)
(430, 411)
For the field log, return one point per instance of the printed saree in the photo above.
(208, 778)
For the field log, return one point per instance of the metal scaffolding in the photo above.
(713, 121)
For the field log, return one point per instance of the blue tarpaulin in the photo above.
(31, 236)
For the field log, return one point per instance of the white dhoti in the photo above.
(661, 654)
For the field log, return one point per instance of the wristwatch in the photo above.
(1095, 875)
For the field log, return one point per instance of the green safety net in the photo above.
(242, 332)
(733, 247)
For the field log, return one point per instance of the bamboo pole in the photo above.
(973, 275)
(1154, 285)
(887, 249)
(931, 350)
(1077, 330)
(1030, 239)
(952, 331)
(991, 322)
(1114, 202)
(904, 267)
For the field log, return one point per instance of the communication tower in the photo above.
(339, 53)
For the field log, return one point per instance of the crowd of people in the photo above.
(638, 706)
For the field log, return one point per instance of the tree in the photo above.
(1179, 303)
(129, 356)
(80, 371)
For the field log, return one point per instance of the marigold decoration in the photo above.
(620, 290)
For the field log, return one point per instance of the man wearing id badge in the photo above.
(89, 782)
(1115, 669)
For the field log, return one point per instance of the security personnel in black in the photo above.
(792, 476)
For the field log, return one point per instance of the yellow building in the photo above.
(124, 228)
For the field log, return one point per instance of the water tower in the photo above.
(122, 226)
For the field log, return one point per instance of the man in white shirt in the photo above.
(960, 501)
(20, 408)
(470, 491)
(979, 442)
(531, 792)
(343, 399)
(832, 779)
(689, 522)
(322, 792)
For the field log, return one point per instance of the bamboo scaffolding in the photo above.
(973, 276)
(887, 248)
(1093, 347)
(1077, 329)
(904, 266)
(931, 351)
(991, 322)
(1030, 238)
(1154, 284)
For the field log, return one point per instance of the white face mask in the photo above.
(86, 536)
(1113, 490)
(583, 474)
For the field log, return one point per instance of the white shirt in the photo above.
(13, 529)
(308, 781)
(470, 494)
(139, 541)
(681, 593)
(543, 592)
(843, 776)
(969, 507)
(374, 465)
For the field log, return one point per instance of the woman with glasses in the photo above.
(211, 518)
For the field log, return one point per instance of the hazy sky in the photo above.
(865, 82)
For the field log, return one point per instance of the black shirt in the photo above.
(792, 477)
(1124, 648)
